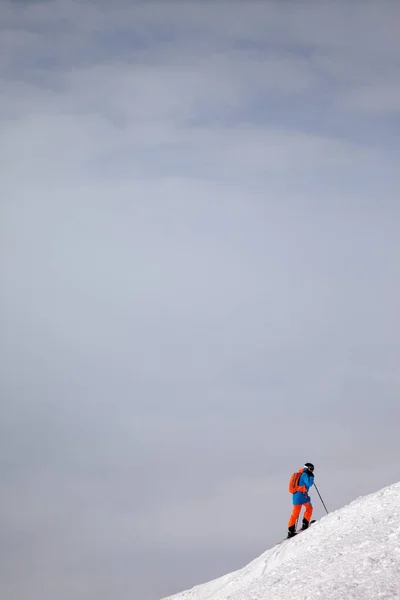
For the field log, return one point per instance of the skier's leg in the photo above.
(309, 511)
(295, 515)
(307, 515)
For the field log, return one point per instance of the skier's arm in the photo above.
(302, 484)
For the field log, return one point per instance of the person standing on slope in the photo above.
(301, 498)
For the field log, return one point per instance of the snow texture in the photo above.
(351, 554)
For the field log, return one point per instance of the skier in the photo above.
(301, 498)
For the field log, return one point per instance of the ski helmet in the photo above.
(309, 467)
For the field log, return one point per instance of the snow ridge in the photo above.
(351, 554)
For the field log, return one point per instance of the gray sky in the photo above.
(200, 282)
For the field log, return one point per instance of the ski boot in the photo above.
(291, 531)
(305, 524)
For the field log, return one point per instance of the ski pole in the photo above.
(321, 499)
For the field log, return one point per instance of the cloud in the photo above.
(379, 99)
(199, 264)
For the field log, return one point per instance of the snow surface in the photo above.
(351, 554)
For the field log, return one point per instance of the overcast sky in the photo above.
(200, 282)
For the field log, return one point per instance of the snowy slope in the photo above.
(351, 554)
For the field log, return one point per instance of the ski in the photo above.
(301, 530)
(309, 525)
